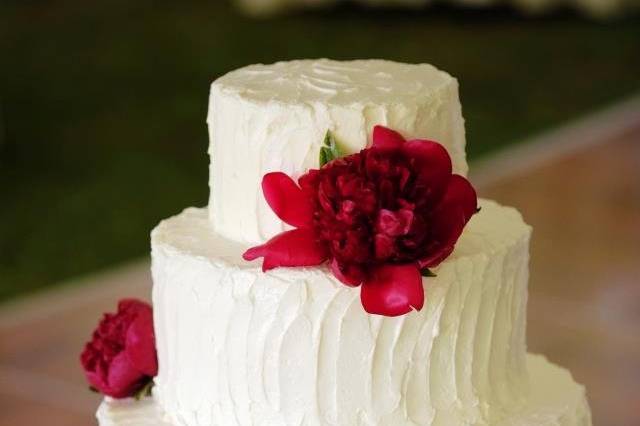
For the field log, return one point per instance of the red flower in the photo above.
(379, 217)
(121, 359)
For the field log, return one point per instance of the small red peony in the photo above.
(380, 217)
(120, 360)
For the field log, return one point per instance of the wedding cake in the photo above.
(238, 344)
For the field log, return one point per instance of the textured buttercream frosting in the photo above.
(131, 412)
(265, 118)
(555, 400)
(293, 346)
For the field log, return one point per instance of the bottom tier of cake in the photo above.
(555, 400)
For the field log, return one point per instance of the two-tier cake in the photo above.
(294, 345)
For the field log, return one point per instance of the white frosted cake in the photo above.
(294, 346)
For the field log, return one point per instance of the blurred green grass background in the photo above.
(103, 103)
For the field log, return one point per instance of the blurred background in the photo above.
(102, 134)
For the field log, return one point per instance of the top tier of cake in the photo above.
(265, 118)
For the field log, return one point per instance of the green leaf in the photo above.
(426, 272)
(330, 150)
(145, 391)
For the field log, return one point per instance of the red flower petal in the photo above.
(141, 344)
(287, 200)
(460, 193)
(431, 162)
(97, 379)
(384, 247)
(447, 225)
(394, 223)
(351, 276)
(451, 215)
(123, 377)
(309, 181)
(436, 256)
(298, 247)
(385, 138)
(393, 290)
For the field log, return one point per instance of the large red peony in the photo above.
(379, 217)
(120, 360)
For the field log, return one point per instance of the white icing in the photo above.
(129, 412)
(265, 118)
(294, 347)
(555, 400)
